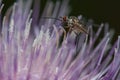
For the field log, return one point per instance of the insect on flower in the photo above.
(73, 24)
(70, 24)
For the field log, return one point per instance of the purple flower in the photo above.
(29, 50)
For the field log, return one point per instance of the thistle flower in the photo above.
(24, 56)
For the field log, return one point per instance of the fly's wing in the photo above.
(79, 28)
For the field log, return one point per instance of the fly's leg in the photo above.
(65, 33)
(57, 35)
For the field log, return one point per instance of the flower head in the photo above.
(36, 56)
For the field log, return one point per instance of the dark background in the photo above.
(98, 10)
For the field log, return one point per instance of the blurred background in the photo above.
(98, 10)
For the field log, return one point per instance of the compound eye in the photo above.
(64, 18)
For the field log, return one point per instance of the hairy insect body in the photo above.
(73, 24)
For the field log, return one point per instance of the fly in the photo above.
(71, 23)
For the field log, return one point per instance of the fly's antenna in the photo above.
(51, 18)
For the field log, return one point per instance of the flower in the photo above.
(36, 56)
